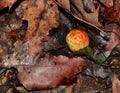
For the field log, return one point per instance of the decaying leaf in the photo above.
(112, 15)
(50, 73)
(33, 14)
(6, 3)
(52, 44)
(74, 16)
(49, 19)
(21, 8)
(5, 44)
(42, 17)
(116, 4)
(115, 63)
(4, 89)
(115, 84)
(19, 56)
(36, 47)
(90, 17)
(65, 3)
(89, 5)
(107, 3)
(114, 37)
(42, 57)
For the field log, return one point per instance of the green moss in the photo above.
(99, 60)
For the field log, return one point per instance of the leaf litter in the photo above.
(34, 55)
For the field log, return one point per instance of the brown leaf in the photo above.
(90, 17)
(6, 3)
(112, 15)
(115, 84)
(89, 6)
(114, 37)
(65, 3)
(107, 3)
(41, 18)
(13, 36)
(116, 4)
(35, 46)
(50, 73)
(32, 14)
(88, 24)
(49, 19)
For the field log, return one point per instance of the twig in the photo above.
(81, 20)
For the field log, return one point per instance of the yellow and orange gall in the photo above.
(77, 39)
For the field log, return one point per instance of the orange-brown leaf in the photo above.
(32, 14)
(65, 3)
(112, 14)
(6, 3)
(115, 84)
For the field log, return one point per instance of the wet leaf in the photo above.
(115, 84)
(50, 73)
(6, 3)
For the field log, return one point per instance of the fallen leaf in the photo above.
(52, 44)
(35, 47)
(50, 73)
(111, 15)
(89, 6)
(77, 18)
(116, 4)
(65, 3)
(6, 3)
(49, 19)
(42, 17)
(90, 17)
(33, 14)
(5, 44)
(13, 36)
(4, 89)
(114, 37)
(107, 3)
(115, 84)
